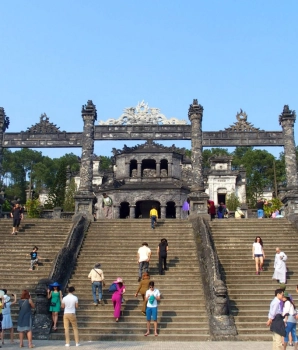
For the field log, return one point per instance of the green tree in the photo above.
(232, 202)
(69, 202)
(56, 196)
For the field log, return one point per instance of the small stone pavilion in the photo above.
(152, 174)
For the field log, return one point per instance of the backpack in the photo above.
(113, 288)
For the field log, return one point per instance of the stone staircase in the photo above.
(114, 243)
(48, 235)
(250, 295)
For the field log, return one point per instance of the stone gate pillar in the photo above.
(163, 211)
(287, 120)
(4, 123)
(132, 211)
(198, 197)
(139, 173)
(157, 169)
(84, 196)
(290, 198)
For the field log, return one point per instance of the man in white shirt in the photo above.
(275, 309)
(97, 280)
(70, 303)
(144, 255)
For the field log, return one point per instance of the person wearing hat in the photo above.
(289, 314)
(97, 281)
(117, 297)
(55, 294)
(6, 313)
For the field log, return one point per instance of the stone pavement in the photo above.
(157, 345)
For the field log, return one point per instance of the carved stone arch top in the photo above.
(44, 126)
(242, 124)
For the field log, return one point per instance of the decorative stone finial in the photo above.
(195, 109)
(287, 114)
(89, 110)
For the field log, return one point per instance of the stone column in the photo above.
(290, 198)
(178, 211)
(4, 123)
(198, 197)
(170, 169)
(116, 211)
(132, 211)
(287, 120)
(139, 169)
(157, 169)
(127, 169)
(162, 211)
(84, 196)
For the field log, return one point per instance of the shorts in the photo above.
(258, 255)
(151, 311)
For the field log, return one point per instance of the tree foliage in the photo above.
(56, 196)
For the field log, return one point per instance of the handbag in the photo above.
(53, 304)
(113, 288)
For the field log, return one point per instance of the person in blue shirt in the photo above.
(34, 257)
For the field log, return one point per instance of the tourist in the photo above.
(144, 255)
(117, 297)
(239, 214)
(162, 251)
(107, 205)
(55, 294)
(70, 303)
(211, 209)
(260, 207)
(34, 258)
(97, 281)
(275, 320)
(289, 314)
(25, 318)
(186, 207)
(6, 313)
(152, 296)
(153, 216)
(221, 210)
(17, 215)
(142, 289)
(258, 254)
(280, 268)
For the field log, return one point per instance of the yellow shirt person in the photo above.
(153, 216)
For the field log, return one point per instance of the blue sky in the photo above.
(229, 54)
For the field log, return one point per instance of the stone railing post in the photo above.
(84, 196)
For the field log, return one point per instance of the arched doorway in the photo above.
(124, 210)
(171, 210)
(143, 208)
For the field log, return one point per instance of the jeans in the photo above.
(97, 285)
(153, 220)
(70, 318)
(162, 264)
(143, 267)
(291, 328)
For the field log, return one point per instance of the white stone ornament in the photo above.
(142, 114)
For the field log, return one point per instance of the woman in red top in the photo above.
(211, 209)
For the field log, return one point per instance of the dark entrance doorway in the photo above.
(171, 210)
(124, 210)
(143, 208)
(221, 197)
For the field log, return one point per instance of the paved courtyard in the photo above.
(156, 345)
